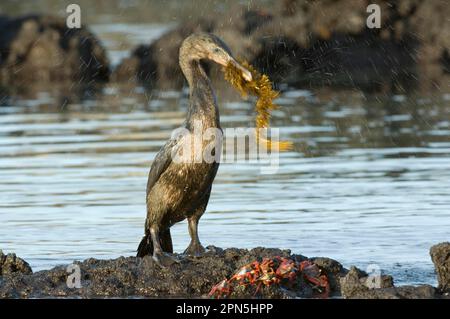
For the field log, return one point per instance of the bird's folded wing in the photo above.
(161, 162)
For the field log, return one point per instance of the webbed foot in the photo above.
(194, 249)
(164, 259)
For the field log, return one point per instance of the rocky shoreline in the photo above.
(41, 49)
(132, 277)
(316, 43)
(297, 43)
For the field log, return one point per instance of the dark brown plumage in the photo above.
(180, 189)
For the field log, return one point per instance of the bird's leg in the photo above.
(195, 248)
(166, 241)
(163, 259)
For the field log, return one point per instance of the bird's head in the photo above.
(201, 45)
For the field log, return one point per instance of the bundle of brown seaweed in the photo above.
(261, 87)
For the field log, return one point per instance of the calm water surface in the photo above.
(368, 180)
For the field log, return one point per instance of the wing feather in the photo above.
(161, 162)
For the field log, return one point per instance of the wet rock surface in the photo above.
(10, 264)
(440, 255)
(39, 48)
(317, 43)
(132, 277)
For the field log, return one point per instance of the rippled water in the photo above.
(368, 180)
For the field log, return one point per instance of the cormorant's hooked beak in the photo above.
(224, 58)
(245, 73)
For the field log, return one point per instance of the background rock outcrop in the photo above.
(37, 49)
(316, 43)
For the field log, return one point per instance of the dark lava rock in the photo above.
(355, 285)
(39, 48)
(10, 264)
(316, 43)
(141, 277)
(129, 277)
(440, 255)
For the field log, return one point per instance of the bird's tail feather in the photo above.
(145, 247)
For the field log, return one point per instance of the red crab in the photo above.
(287, 270)
(270, 271)
(222, 289)
(312, 273)
(247, 274)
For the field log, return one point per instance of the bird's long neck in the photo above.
(202, 100)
